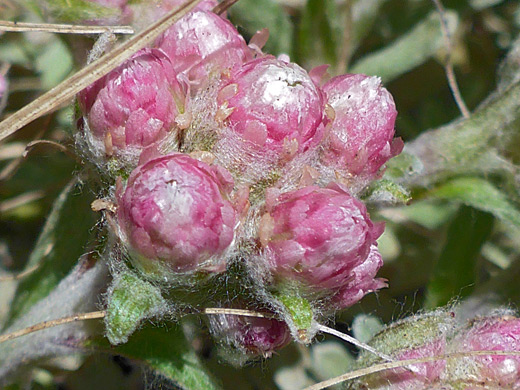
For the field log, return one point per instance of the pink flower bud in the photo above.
(202, 42)
(414, 377)
(135, 104)
(276, 105)
(488, 334)
(361, 137)
(175, 210)
(424, 335)
(251, 336)
(322, 237)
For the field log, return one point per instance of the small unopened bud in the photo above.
(137, 103)
(360, 140)
(175, 215)
(276, 104)
(203, 42)
(323, 238)
(249, 337)
(487, 334)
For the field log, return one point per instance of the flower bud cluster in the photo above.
(222, 155)
(435, 335)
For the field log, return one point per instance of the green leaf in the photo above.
(480, 194)
(386, 191)
(409, 51)
(13, 52)
(429, 214)
(59, 246)
(364, 15)
(330, 359)
(130, 301)
(254, 15)
(316, 38)
(456, 270)
(365, 327)
(299, 309)
(54, 63)
(167, 352)
(483, 4)
(402, 166)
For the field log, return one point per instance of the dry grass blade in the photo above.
(102, 313)
(51, 324)
(20, 275)
(31, 145)
(236, 312)
(402, 363)
(63, 28)
(20, 200)
(67, 89)
(448, 67)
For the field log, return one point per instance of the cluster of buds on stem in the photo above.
(437, 334)
(219, 154)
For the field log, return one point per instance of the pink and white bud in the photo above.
(413, 377)
(416, 337)
(251, 336)
(175, 214)
(321, 237)
(276, 105)
(201, 43)
(360, 140)
(488, 334)
(136, 104)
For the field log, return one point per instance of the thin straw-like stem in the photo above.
(63, 28)
(51, 324)
(448, 66)
(235, 312)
